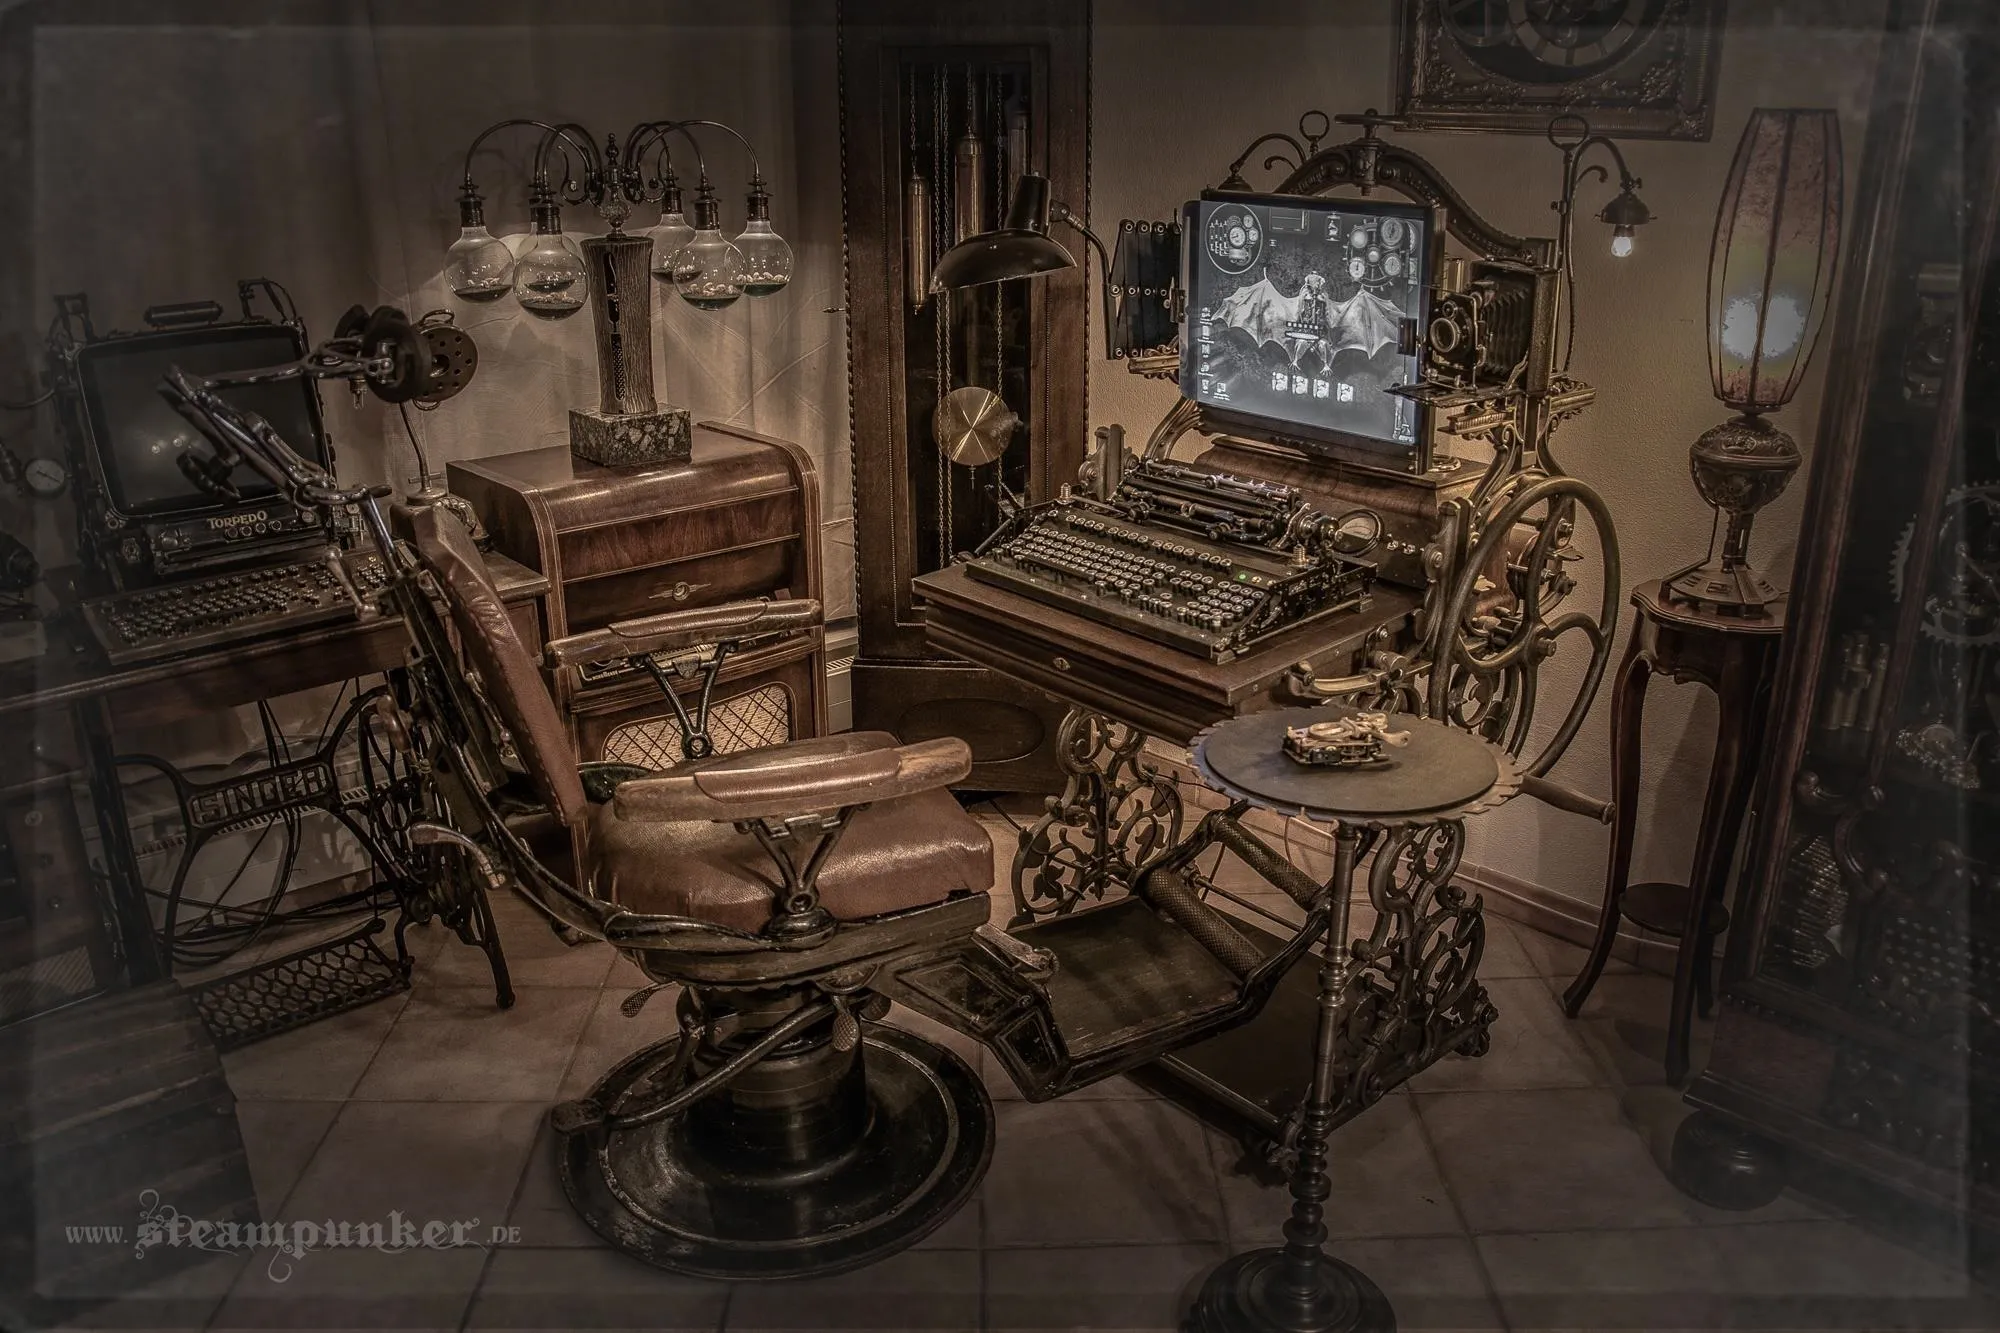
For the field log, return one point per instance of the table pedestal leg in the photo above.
(1299, 1288)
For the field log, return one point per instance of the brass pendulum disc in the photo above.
(973, 426)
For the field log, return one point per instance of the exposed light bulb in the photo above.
(478, 266)
(1621, 243)
(766, 264)
(671, 233)
(670, 236)
(706, 271)
(548, 277)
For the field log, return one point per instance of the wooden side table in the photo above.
(1736, 658)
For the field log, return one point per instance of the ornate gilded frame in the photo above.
(1664, 88)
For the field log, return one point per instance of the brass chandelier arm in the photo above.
(652, 136)
(756, 170)
(470, 191)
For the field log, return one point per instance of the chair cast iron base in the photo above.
(1255, 1291)
(678, 1196)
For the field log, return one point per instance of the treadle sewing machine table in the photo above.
(65, 710)
(1116, 811)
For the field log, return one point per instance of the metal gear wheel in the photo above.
(1962, 603)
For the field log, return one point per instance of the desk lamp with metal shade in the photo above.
(1771, 270)
(1020, 248)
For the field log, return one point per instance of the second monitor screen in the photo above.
(1295, 314)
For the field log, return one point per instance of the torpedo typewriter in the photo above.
(168, 567)
(1201, 561)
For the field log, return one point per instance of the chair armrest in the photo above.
(682, 629)
(780, 783)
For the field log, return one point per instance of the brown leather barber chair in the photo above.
(792, 891)
(780, 1133)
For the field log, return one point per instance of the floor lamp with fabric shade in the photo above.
(1770, 277)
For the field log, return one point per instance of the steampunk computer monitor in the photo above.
(1301, 319)
(144, 519)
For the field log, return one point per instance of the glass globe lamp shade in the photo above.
(670, 237)
(479, 266)
(1771, 270)
(549, 277)
(707, 270)
(766, 260)
(670, 234)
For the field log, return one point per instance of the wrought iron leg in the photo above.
(1115, 812)
(1299, 1288)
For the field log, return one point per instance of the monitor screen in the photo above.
(1295, 314)
(137, 435)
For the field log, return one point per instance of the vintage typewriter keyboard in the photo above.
(1157, 574)
(1206, 597)
(181, 618)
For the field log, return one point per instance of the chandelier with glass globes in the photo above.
(550, 278)
(554, 277)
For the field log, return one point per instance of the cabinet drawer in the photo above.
(675, 535)
(726, 576)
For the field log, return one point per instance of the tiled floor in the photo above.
(1516, 1191)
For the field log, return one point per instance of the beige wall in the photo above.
(1181, 88)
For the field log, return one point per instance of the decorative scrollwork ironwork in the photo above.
(1116, 811)
(1488, 644)
(1414, 994)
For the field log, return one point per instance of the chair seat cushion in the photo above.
(894, 855)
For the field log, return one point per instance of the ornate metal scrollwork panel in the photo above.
(1115, 813)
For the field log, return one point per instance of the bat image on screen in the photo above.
(1296, 316)
(1312, 320)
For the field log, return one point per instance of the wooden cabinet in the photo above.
(739, 519)
(1860, 1022)
(921, 82)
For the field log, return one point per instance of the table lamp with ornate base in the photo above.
(1739, 467)
(1777, 238)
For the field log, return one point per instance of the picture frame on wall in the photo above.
(1633, 68)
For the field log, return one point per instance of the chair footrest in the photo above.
(1128, 985)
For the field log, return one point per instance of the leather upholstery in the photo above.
(509, 676)
(684, 629)
(897, 854)
(794, 780)
(907, 849)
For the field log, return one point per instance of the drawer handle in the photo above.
(1061, 664)
(679, 592)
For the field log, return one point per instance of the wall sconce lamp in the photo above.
(1626, 212)
(553, 275)
(1770, 274)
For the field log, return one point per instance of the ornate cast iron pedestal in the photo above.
(1446, 776)
(1115, 813)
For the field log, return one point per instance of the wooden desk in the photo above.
(99, 701)
(1133, 680)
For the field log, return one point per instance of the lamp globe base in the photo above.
(1738, 467)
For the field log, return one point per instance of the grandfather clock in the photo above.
(943, 105)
